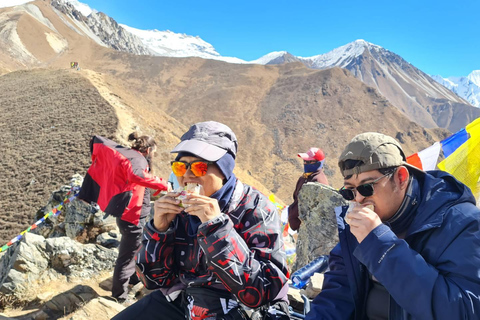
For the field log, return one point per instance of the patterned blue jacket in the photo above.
(240, 251)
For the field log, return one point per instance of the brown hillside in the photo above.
(47, 118)
(276, 111)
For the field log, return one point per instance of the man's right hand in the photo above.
(166, 209)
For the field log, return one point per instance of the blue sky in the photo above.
(439, 37)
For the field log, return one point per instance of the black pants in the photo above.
(207, 304)
(125, 264)
(154, 306)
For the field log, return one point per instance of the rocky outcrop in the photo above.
(109, 32)
(318, 233)
(76, 244)
(114, 35)
(82, 221)
(36, 261)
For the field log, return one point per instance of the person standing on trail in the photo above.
(118, 181)
(410, 246)
(313, 161)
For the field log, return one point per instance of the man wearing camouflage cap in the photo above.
(409, 249)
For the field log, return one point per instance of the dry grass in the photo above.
(47, 119)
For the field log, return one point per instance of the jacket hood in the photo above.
(437, 192)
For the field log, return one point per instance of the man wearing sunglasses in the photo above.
(409, 249)
(221, 252)
(313, 161)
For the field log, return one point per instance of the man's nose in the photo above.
(358, 197)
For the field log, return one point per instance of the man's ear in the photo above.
(403, 176)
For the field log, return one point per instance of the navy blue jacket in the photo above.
(434, 273)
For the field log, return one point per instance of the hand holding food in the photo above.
(190, 188)
(204, 207)
(362, 220)
(165, 210)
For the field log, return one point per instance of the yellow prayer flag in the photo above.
(464, 163)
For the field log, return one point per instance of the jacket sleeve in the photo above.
(293, 219)
(155, 258)
(448, 288)
(139, 175)
(250, 262)
(335, 301)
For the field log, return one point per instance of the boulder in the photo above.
(78, 220)
(36, 260)
(318, 233)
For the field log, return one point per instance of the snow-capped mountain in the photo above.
(276, 57)
(339, 57)
(171, 44)
(412, 91)
(104, 28)
(466, 87)
(408, 88)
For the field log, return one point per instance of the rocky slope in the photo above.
(409, 89)
(276, 111)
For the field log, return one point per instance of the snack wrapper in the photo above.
(190, 188)
(352, 205)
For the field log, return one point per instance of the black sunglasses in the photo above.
(365, 190)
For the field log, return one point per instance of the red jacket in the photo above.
(117, 178)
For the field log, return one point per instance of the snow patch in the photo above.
(82, 7)
(269, 57)
(474, 76)
(464, 87)
(171, 44)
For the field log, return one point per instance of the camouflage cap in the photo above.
(376, 151)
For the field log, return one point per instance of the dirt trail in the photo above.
(126, 121)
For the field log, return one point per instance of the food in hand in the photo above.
(356, 204)
(190, 188)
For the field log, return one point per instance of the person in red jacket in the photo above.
(118, 181)
(313, 161)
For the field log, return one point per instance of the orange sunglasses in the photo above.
(199, 167)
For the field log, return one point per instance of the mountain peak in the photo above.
(474, 76)
(342, 56)
(275, 57)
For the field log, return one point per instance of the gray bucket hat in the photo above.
(376, 151)
(208, 140)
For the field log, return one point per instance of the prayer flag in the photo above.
(464, 162)
(427, 158)
(450, 144)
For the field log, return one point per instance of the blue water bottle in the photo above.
(301, 277)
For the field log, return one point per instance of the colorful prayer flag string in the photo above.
(55, 211)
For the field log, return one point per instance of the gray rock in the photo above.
(109, 239)
(318, 233)
(36, 259)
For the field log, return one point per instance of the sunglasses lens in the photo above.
(179, 168)
(347, 194)
(199, 168)
(366, 190)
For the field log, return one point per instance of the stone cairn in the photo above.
(76, 244)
